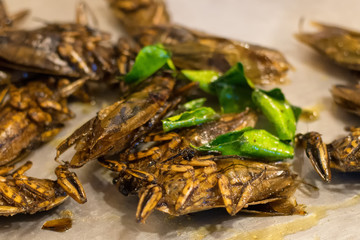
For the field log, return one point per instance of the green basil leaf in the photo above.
(275, 93)
(235, 76)
(278, 112)
(233, 90)
(149, 60)
(190, 118)
(234, 99)
(248, 142)
(170, 65)
(193, 104)
(203, 77)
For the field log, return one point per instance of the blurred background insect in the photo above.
(148, 22)
(63, 49)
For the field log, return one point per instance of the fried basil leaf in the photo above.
(190, 118)
(149, 60)
(193, 104)
(233, 90)
(249, 142)
(203, 77)
(277, 110)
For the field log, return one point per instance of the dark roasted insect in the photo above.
(338, 44)
(195, 50)
(170, 145)
(182, 186)
(342, 154)
(175, 179)
(22, 194)
(234, 183)
(68, 49)
(117, 125)
(32, 114)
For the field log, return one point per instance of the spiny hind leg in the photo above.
(148, 201)
(112, 165)
(234, 204)
(117, 166)
(70, 183)
(10, 193)
(248, 189)
(74, 138)
(5, 170)
(226, 194)
(39, 187)
(156, 152)
(316, 150)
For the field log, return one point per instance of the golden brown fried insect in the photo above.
(338, 44)
(196, 50)
(171, 145)
(68, 49)
(174, 179)
(32, 114)
(342, 154)
(181, 186)
(22, 194)
(235, 184)
(115, 126)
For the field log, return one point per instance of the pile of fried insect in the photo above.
(177, 154)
